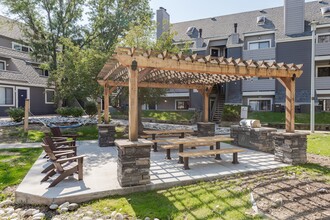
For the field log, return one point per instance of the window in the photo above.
(324, 38)
(217, 52)
(182, 104)
(260, 104)
(42, 72)
(2, 65)
(6, 96)
(20, 47)
(259, 45)
(323, 71)
(49, 96)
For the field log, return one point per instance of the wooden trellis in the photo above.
(150, 69)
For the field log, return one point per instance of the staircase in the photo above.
(218, 106)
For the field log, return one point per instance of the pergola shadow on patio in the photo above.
(138, 68)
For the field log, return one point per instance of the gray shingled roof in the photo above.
(10, 28)
(223, 26)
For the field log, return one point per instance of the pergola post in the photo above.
(206, 102)
(290, 90)
(133, 102)
(106, 103)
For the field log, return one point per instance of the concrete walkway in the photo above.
(20, 145)
(100, 174)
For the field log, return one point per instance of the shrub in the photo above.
(231, 113)
(16, 114)
(91, 108)
(70, 111)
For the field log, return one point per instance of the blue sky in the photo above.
(185, 10)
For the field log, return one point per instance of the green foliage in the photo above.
(91, 108)
(318, 144)
(174, 116)
(14, 164)
(231, 113)
(70, 111)
(16, 114)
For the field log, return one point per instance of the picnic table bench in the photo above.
(195, 142)
(186, 155)
(155, 133)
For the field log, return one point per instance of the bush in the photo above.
(70, 111)
(16, 114)
(91, 108)
(231, 113)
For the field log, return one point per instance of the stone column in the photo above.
(290, 147)
(106, 135)
(205, 129)
(133, 164)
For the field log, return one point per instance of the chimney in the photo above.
(235, 28)
(294, 16)
(163, 21)
(234, 37)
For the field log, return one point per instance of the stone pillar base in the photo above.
(290, 147)
(133, 164)
(107, 134)
(205, 129)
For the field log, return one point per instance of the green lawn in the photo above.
(14, 164)
(169, 115)
(277, 117)
(319, 144)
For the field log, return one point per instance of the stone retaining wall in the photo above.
(205, 129)
(133, 163)
(290, 147)
(253, 138)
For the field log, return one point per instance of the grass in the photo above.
(14, 164)
(313, 171)
(319, 144)
(206, 200)
(169, 115)
(278, 117)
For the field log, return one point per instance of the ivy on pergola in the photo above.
(151, 69)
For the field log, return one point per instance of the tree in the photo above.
(54, 27)
(143, 36)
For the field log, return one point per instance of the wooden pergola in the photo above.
(150, 69)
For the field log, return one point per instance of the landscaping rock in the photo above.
(64, 209)
(147, 218)
(2, 212)
(322, 191)
(119, 216)
(29, 212)
(53, 206)
(38, 216)
(87, 218)
(73, 207)
(13, 216)
(277, 203)
(6, 203)
(113, 214)
(35, 212)
(64, 205)
(10, 210)
(89, 213)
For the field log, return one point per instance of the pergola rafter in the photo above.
(151, 69)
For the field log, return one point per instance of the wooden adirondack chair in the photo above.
(56, 131)
(62, 145)
(65, 167)
(55, 155)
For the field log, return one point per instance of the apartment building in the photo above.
(20, 76)
(281, 34)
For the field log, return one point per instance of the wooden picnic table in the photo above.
(153, 134)
(198, 141)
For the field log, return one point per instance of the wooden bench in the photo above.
(186, 155)
(170, 147)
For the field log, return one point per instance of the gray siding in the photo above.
(294, 16)
(322, 83)
(262, 54)
(196, 100)
(322, 49)
(234, 89)
(258, 85)
(298, 52)
(262, 37)
(5, 42)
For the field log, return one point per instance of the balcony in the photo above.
(322, 83)
(258, 85)
(261, 54)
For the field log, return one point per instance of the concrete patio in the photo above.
(100, 174)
